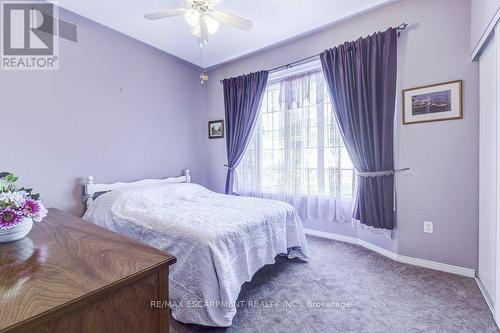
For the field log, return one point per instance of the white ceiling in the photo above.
(274, 21)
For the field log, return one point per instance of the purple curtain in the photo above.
(242, 100)
(361, 79)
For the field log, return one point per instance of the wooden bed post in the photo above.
(89, 191)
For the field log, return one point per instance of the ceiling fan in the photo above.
(203, 19)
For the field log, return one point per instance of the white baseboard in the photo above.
(469, 272)
(378, 249)
(486, 296)
(330, 235)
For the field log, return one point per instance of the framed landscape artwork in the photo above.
(435, 102)
(216, 129)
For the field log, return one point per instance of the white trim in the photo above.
(352, 240)
(469, 272)
(329, 235)
(90, 189)
(486, 296)
(496, 297)
(485, 36)
(378, 249)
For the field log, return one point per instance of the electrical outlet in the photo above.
(428, 227)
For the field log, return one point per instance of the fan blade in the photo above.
(166, 13)
(233, 20)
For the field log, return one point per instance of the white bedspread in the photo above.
(220, 241)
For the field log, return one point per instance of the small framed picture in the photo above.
(216, 129)
(435, 102)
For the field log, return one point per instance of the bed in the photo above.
(220, 241)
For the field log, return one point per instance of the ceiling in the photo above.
(274, 21)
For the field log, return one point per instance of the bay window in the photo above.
(297, 153)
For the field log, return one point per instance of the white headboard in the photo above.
(90, 189)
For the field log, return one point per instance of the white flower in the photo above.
(43, 212)
(16, 198)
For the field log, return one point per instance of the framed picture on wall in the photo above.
(216, 129)
(442, 101)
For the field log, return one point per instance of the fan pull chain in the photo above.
(204, 74)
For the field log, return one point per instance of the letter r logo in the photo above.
(28, 28)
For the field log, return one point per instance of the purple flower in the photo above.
(31, 208)
(9, 217)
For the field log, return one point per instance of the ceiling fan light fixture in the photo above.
(203, 19)
(196, 31)
(192, 17)
(211, 23)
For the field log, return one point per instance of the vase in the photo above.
(18, 232)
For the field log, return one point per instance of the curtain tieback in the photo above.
(380, 173)
(227, 166)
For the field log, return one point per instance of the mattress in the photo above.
(220, 241)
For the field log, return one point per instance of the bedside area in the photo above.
(69, 275)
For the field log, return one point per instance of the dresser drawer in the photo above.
(82, 278)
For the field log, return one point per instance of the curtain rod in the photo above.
(400, 27)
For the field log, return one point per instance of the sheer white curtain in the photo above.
(297, 154)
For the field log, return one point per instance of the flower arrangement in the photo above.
(18, 204)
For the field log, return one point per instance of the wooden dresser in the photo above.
(68, 275)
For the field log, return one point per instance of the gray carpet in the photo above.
(355, 290)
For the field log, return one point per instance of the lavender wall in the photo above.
(116, 109)
(443, 183)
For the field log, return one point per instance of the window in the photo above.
(297, 149)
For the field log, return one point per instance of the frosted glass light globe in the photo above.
(192, 17)
(196, 31)
(211, 23)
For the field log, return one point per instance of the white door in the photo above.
(496, 91)
(488, 169)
